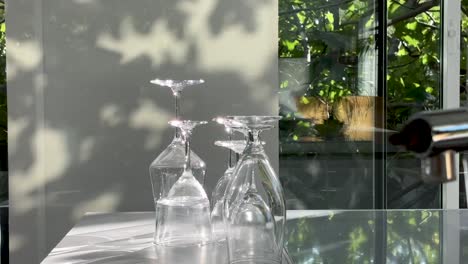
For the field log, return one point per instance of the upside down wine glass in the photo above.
(234, 146)
(169, 165)
(183, 216)
(254, 208)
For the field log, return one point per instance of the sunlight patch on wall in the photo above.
(110, 115)
(105, 202)
(50, 161)
(15, 242)
(85, 2)
(160, 44)
(15, 128)
(150, 117)
(86, 149)
(22, 56)
(234, 48)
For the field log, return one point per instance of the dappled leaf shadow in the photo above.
(235, 13)
(86, 123)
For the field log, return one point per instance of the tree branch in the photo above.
(431, 17)
(403, 5)
(302, 32)
(427, 25)
(401, 65)
(414, 12)
(464, 11)
(293, 11)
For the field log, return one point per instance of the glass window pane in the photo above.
(328, 99)
(413, 85)
(463, 86)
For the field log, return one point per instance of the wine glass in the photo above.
(183, 216)
(177, 86)
(234, 146)
(169, 165)
(231, 125)
(254, 208)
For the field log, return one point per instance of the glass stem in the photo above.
(230, 153)
(176, 105)
(177, 133)
(254, 139)
(255, 145)
(177, 95)
(187, 165)
(251, 182)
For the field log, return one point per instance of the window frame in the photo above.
(451, 19)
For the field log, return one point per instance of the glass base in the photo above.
(256, 261)
(211, 253)
(183, 242)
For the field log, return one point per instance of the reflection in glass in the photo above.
(356, 237)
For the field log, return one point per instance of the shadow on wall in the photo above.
(84, 121)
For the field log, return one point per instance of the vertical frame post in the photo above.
(451, 17)
(380, 141)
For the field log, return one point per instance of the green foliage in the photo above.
(413, 62)
(337, 41)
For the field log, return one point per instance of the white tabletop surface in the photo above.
(375, 236)
(127, 238)
(107, 238)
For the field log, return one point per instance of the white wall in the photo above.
(84, 123)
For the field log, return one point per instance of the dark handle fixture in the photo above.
(436, 137)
